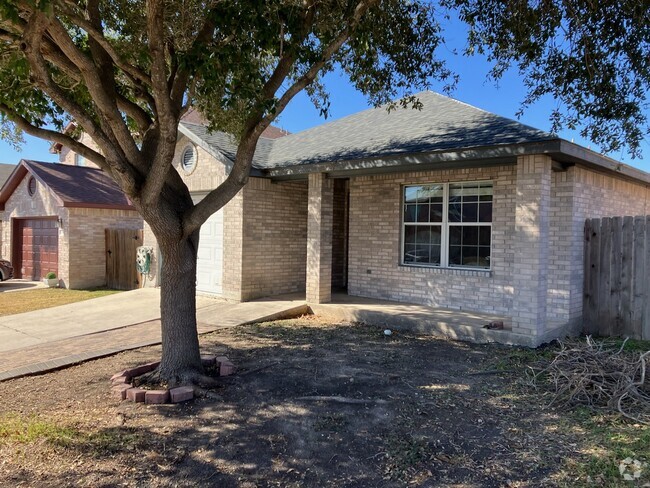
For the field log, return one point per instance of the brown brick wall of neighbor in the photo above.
(275, 238)
(375, 237)
(87, 242)
(67, 156)
(42, 204)
(82, 261)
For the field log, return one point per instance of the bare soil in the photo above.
(313, 404)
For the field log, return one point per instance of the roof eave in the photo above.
(419, 161)
(559, 149)
(218, 155)
(574, 153)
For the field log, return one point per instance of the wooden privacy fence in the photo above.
(617, 277)
(121, 245)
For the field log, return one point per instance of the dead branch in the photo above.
(599, 375)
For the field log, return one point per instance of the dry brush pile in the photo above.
(597, 374)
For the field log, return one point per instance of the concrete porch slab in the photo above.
(454, 324)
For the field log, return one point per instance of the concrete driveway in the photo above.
(81, 318)
(53, 338)
(19, 285)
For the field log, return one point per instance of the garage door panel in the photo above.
(210, 254)
(37, 248)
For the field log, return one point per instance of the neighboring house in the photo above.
(448, 206)
(5, 171)
(54, 219)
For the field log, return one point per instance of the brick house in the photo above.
(449, 206)
(54, 217)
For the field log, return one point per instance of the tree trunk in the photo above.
(181, 359)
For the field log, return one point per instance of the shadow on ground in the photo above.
(319, 405)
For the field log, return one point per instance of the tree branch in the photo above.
(240, 171)
(51, 135)
(98, 36)
(104, 98)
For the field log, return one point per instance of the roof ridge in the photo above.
(491, 113)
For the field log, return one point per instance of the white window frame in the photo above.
(445, 224)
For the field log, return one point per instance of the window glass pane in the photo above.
(470, 212)
(409, 213)
(455, 235)
(436, 234)
(416, 254)
(484, 257)
(454, 255)
(486, 190)
(455, 192)
(485, 212)
(436, 213)
(410, 194)
(470, 236)
(423, 235)
(430, 193)
(454, 212)
(435, 255)
(469, 255)
(409, 253)
(423, 213)
(484, 235)
(409, 234)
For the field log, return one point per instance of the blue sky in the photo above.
(473, 88)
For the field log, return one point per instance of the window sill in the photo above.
(448, 271)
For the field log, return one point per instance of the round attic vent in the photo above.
(31, 186)
(188, 159)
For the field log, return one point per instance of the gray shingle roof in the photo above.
(443, 124)
(5, 171)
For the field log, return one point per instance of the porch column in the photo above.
(531, 244)
(319, 239)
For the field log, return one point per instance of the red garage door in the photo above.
(36, 245)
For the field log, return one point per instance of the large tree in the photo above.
(125, 71)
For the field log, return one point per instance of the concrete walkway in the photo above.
(40, 341)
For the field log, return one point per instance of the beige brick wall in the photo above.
(87, 242)
(207, 175)
(374, 247)
(319, 238)
(578, 194)
(531, 244)
(274, 251)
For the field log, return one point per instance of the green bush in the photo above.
(50, 276)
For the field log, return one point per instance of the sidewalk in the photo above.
(101, 329)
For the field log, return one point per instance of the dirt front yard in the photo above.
(315, 404)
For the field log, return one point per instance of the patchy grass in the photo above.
(32, 430)
(26, 430)
(29, 300)
(608, 442)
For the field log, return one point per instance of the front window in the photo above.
(79, 160)
(448, 225)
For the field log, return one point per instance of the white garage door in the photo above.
(210, 256)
